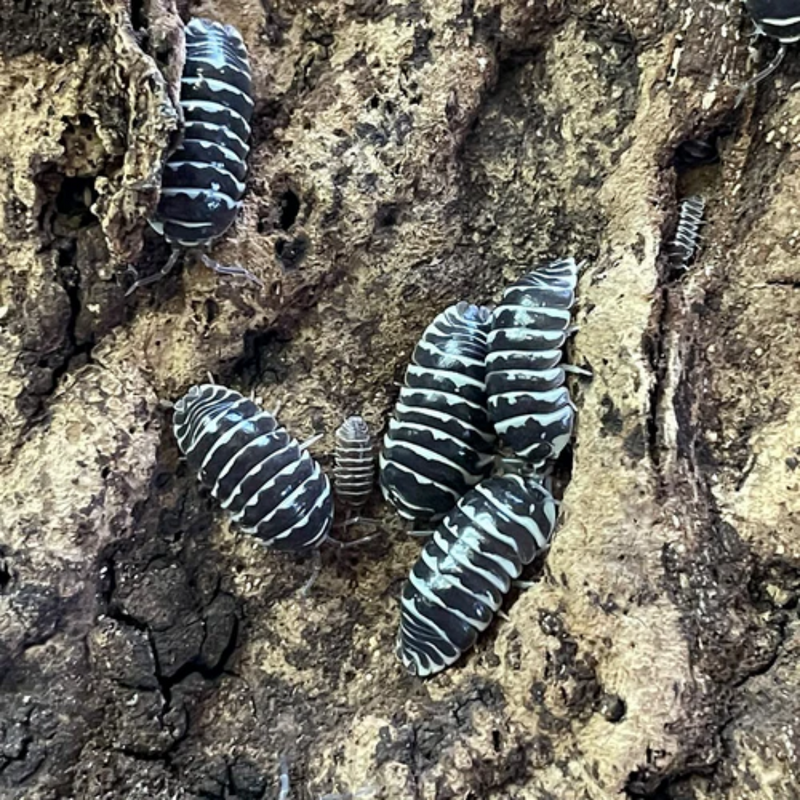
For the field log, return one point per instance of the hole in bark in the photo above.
(74, 201)
(290, 206)
(387, 215)
(212, 310)
(5, 574)
(291, 252)
(138, 15)
(694, 153)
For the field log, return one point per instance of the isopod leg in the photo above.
(758, 77)
(420, 534)
(311, 440)
(361, 540)
(156, 276)
(577, 370)
(316, 568)
(359, 521)
(283, 777)
(232, 269)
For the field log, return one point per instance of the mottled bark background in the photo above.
(406, 155)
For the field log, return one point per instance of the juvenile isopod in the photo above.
(354, 463)
(684, 244)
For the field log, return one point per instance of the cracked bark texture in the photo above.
(405, 156)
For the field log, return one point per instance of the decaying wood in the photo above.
(405, 156)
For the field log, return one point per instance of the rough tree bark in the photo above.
(405, 155)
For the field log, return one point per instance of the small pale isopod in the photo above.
(354, 469)
(684, 244)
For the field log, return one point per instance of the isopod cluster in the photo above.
(504, 384)
(268, 483)
(478, 377)
(483, 412)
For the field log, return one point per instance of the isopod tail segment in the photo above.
(777, 19)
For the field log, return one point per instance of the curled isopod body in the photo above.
(466, 568)
(354, 469)
(528, 402)
(267, 483)
(440, 442)
(684, 244)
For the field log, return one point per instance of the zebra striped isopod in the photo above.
(203, 180)
(528, 402)
(354, 467)
(467, 566)
(440, 443)
(266, 482)
(684, 244)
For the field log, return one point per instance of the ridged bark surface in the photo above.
(405, 156)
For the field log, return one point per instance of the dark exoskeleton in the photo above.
(440, 442)
(203, 179)
(267, 483)
(528, 402)
(467, 567)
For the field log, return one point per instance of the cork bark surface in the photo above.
(406, 155)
